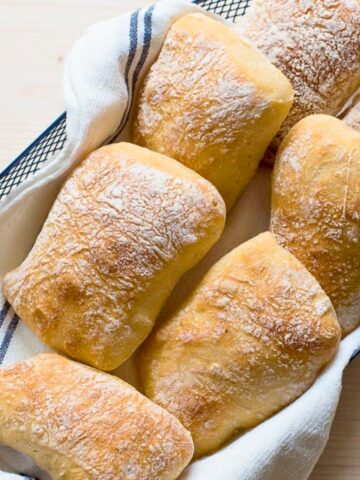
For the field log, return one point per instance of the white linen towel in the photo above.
(101, 76)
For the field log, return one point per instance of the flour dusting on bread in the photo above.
(316, 44)
(125, 226)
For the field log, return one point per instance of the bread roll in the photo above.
(316, 44)
(250, 339)
(352, 116)
(213, 102)
(79, 424)
(316, 208)
(125, 226)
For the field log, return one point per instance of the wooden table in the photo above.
(35, 36)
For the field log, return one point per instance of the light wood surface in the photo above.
(35, 36)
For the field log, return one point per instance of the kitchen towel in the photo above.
(102, 74)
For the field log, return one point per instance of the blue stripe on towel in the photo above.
(147, 43)
(144, 54)
(4, 312)
(143, 57)
(133, 47)
(133, 41)
(133, 33)
(7, 337)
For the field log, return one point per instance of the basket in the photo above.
(53, 138)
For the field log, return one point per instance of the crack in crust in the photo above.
(212, 102)
(80, 424)
(316, 208)
(125, 226)
(316, 44)
(250, 339)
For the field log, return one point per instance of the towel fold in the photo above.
(102, 74)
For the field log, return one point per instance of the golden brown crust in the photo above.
(125, 226)
(316, 44)
(250, 339)
(316, 208)
(80, 424)
(213, 102)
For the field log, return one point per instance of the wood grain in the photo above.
(35, 37)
